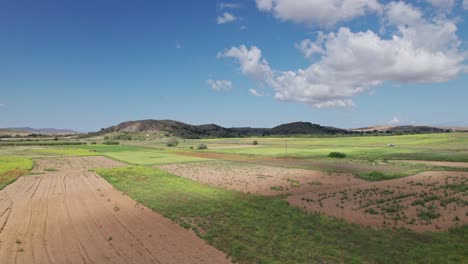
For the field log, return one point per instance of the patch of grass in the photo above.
(257, 229)
(128, 154)
(428, 214)
(276, 188)
(337, 155)
(150, 157)
(380, 176)
(64, 152)
(13, 167)
(50, 169)
(294, 183)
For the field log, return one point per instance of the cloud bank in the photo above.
(350, 63)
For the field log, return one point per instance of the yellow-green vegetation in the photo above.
(64, 152)
(138, 155)
(444, 147)
(128, 154)
(150, 157)
(13, 167)
(256, 229)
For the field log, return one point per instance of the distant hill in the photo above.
(305, 128)
(42, 130)
(404, 129)
(184, 130)
(417, 129)
(174, 128)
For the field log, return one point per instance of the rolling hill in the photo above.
(179, 129)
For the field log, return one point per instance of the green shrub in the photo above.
(202, 146)
(122, 137)
(172, 142)
(337, 155)
(111, 142)
(255, 142)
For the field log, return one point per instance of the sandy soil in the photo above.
(439, 163)
(258, 179)
(427, 201)
(74, 216)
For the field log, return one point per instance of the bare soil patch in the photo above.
(429, 201)
(71, 215)
(258, 179)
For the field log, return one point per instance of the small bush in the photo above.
(172, 142)
(93, 143)
(255, 142)
(337, 155)
(122, 137)
(111, 142)
(202, 146)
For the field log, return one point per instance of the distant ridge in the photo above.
(184, 130)
(404, 129)
(43, 130)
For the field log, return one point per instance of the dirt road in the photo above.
(69, 214)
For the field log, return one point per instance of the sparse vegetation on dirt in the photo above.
(255, 229)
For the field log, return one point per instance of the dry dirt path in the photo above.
(74, 216)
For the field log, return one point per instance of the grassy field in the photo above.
(255, 229)
(443, 147)
(128, 154)
(13, 167)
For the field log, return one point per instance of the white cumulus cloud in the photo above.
(232, 5)
(251, 62)
(256, 93)
(394, 121)
(352, 63)
(226, 18)
(219, 85)
(309, 48)
(322, 12)
(442, 5)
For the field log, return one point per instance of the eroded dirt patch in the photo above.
(258, 179)
(427, 201)
(69, 214)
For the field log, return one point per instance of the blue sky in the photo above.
(90, 64)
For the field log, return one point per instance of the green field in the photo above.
(444, 147)
(128, 154)
(13, 167)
